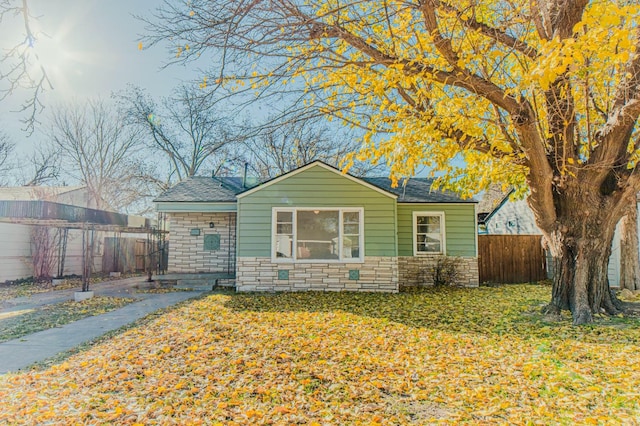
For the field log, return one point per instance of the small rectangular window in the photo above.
(351, 235)
(428, 232)
(284, 234)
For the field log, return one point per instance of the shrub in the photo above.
(445, 272)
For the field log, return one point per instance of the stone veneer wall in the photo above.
(414, 271)
(187, 253)
(261, 274)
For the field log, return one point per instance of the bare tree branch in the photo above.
(20, 66)
(187, 128)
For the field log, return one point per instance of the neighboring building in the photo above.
(498, 214)
(316, 228)
(72, 195)
(61, 206)
(15, 258)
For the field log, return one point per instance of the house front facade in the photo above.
(316, 228)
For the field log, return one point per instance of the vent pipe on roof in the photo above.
(244, 175)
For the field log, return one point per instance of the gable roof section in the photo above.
(417, 190)
(204, 189)
(492, 201)
(325, 166)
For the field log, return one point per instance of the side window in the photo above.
(351, 235)
(284, 234)
(428, 233)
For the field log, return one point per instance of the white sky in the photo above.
(89, 48)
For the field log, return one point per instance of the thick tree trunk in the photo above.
(580, 245)
(629, 261)
(580, 282)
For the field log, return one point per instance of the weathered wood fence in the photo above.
(124, 255)
(511, 258)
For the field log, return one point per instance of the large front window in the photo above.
(428, 233)
(318, 234)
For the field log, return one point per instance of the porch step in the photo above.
(196, 284)
(197, 281)
(194, 276)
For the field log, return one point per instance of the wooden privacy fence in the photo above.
(124, 255)
(511, 258)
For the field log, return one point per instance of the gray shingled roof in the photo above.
(417, 190)
(200, 189)
(492, 198)
(203, 189)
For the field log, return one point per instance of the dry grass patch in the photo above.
(14, 325)
(26, 288)
(439, 356)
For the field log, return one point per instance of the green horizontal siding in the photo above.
(315, 187)
(460, 227)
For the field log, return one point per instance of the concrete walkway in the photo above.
(20, 353)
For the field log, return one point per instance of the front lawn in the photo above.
(481, 356)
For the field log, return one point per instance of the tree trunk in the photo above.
(580, 245)
(629, 261)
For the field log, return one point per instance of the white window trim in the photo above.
(443, 245)
(294, 210)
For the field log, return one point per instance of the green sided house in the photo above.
(316, 228)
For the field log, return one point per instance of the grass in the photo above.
(26, 288)
(438, 356)
(10, 291)
(14, 325)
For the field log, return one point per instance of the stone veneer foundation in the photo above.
(415, 271)
(187, 253)
(377, 274)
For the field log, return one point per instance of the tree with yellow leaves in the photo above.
(543, 95)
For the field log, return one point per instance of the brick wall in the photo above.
(414, 271)
(187, 252)
(261, 274)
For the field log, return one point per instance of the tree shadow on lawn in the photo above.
(512, 310)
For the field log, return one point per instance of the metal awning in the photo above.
(47, 213)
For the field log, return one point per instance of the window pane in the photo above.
(284, 217)
(351, 217)
(426, 220)
(285, 228)
(428, 245)
(351, 229)
(428, 234)
(317, 234)
(350, 247)
(284, 234)
(284, 246)
(423, 229)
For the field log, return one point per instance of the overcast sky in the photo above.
(89, 48)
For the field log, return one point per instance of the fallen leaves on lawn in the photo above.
(56, 315)
(28, 288)
(439, 356)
